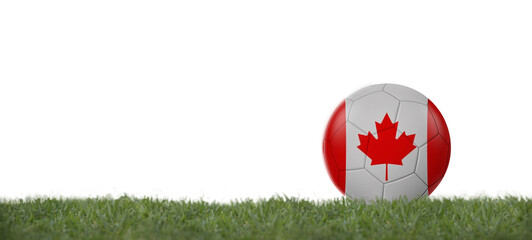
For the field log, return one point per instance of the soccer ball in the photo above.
(386, 141)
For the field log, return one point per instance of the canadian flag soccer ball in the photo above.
(386, 141)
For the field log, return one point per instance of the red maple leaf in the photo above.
(386, 149)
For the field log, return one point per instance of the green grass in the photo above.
(275, 218)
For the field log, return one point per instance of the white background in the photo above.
(226, 100)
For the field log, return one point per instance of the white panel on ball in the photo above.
(366, 110)
(405, 93)
(354, 158)
(410, 187)
(359, 184)
(412, 118)
(348, 104)
(421, 168)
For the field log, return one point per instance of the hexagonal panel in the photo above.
(412, 118)
(371, 108)
(411, 187)
(348, 104)
(421, 168)
(394, 171)
(359, 184)
(354, 158)
(365, 91)
(405, 93)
